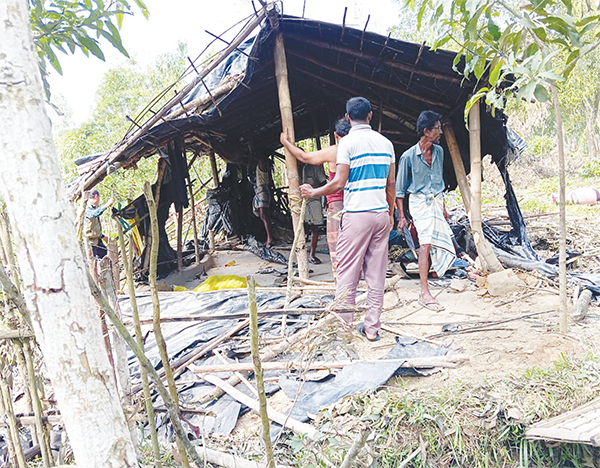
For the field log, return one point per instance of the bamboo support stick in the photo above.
(279, 418)
(9, 413)
(213, 168)
(262, 313)
(489, 260)
(290, 277)
(562, 219)
(160, 342)
(258, 372)
(41, 427)
(287, 122)
(359, 442)
(457, 163)
(194, 225)
(128, 266)
(28, 383)
(412, 363)
(179, 240)
(160, 388)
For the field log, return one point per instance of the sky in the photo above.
(174, 21)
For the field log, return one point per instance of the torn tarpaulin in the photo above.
(312, 396)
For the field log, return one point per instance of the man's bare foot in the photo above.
(430, 302)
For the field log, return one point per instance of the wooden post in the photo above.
(489, 262)
(562, 219)
(287, 121)
(459, 167)
(194, 226)
(213, 168)
(179, 239)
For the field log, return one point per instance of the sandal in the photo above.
(432, 305)
(360, 327)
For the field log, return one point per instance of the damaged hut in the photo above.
(283, 71)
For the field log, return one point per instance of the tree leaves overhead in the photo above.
(513, 47)
(67, 26)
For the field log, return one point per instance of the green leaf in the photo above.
(480, 67)
(541, 93)
(495, 73)
(91, 45)
(494, 30)
(474, 100)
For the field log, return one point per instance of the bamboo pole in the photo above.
(213, 168)
(38, 411)
(258, 372)
(194, 226)
(172, 408)
(489, 262)
(413, 363)
(179, 240)
(9, 413)
(128, 265)
(457, 163)
(279, 418)
(287, 122)
(10, 446)
(562, 235)
(160, 342)
(27, 391)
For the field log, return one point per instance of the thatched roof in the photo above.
(327, 64)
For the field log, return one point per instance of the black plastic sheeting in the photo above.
(313, 396)
(220, 416)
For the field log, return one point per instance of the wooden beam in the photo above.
(287, 121)
(457, 162)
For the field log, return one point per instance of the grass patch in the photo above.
(464, 425)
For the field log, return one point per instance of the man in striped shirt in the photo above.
(366, 170)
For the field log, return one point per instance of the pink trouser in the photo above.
(363, 246)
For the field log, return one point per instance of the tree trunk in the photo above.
(562, 234)
(52, 267)
(489, 262)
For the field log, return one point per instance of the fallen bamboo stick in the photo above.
(395, 331)
(18, 334)
(437, 361)
(307, 311)
(280, 418)
(227, 460)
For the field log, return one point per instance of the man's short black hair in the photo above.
(342, 127)
(358, 108)
(94, 193)
(427, 120)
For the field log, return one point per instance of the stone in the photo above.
(504, 282)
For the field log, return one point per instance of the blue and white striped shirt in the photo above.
(369, 155)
